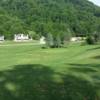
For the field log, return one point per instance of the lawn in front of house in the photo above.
(28, 72)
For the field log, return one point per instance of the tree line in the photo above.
(56, 18)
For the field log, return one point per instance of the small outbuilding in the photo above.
(1, 38)
(42, 40)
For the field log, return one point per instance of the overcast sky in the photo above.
(97, 2)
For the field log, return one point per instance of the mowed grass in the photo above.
(28, 72)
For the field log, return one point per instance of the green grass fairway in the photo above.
(28, 72)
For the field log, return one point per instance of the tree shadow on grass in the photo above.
(85, 68)
(36, 82)
(90, 69)
(96, 48)
(96, 57)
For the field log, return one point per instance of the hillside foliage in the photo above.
(57, 17)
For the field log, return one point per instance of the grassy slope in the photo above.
(31, 73)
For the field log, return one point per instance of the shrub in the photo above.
(49, 40)
(57, 41)
(90, 40)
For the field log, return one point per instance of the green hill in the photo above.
(45, 16)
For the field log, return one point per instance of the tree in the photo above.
(49, 40)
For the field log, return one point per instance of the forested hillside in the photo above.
(77, 17)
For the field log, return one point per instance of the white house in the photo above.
(73, 39)
(2, 38)
(42, 40)
(21, 37)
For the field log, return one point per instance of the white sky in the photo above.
(97, 2)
